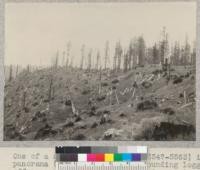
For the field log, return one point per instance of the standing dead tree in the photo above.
(28, 69)
(133, 53)
(185, 96)
(116, 96)
(115, 58)
(115, 61)
(141, 51)
(100, 76)
(68, 54)
(89, 66)
(67, 62)
(186, 53)
(24, 97)
(164, 46)
(75, 111)
(10, 73)
(56, 60)
(175, 54)
(193, 56)
(113, 91)
(63, 59)
(155, 54)
(17, 70)
(125, 61)
(119, 56)
(129, 62)
(82, 56)
(50, 88)
(72, 62)
(106, 55)
(98, 59)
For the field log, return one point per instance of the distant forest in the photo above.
(124, 59)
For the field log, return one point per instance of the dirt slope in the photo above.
(156, 111)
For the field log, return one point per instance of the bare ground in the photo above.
(157, 111)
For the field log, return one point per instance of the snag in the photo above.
(74, 111)
(185, 97)
(116, 97)
(133, 94)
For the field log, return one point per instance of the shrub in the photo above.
(115, 81)
(78, 118)
(148, 126)
(147, 104)
(101, 98)
(68, 102)
(86, 91)
(157, 71)
(168, 111)
(177, 80)
(69, 124)
(79, 137)
(95, 124)
(104, 84)
(146, 84)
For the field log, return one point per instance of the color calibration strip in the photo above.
(101, 158)
(101, 154)
(101, 149)
(107, 157)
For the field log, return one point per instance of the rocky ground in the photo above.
(73, 104)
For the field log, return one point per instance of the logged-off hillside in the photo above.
(74, 104)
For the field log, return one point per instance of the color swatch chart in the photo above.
(100, 158)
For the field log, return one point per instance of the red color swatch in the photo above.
(99, 157)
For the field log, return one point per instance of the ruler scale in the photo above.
(76, 166)
(101, 158)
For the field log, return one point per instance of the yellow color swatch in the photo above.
(109, 157)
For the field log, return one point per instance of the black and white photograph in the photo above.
(100, 71)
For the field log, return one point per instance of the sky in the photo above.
(34, 32)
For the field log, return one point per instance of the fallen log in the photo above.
(186, 105)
